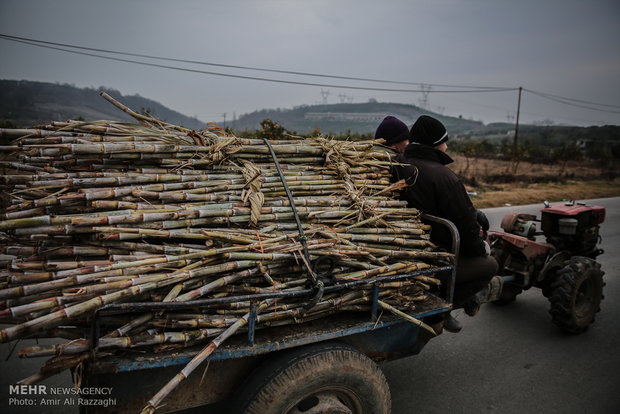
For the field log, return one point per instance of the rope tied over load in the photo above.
(316, 284)
(252, 190)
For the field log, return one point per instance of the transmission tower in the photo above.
(324, 94)
(426, 89)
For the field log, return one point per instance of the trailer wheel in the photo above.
(317, 379)
(576, 294)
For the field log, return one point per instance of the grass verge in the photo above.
(500, 195)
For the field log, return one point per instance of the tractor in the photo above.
(564, 265)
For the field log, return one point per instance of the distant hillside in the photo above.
(27, 103)
(353, 117)
(364, 118)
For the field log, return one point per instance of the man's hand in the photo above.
(482, 219)
(487, 249)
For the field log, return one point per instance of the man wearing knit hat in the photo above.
(394, 132)
(434, 189)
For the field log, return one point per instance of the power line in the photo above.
(253, 77)
(425, 88)
(505, 109)
(548, 95)
(63, 46)
(568, 101)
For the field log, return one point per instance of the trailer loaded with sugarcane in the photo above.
(179, 268)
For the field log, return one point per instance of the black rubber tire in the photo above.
(576, 294)
(320, 378)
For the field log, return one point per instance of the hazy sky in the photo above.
(568, 48)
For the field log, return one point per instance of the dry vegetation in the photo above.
(496, 186)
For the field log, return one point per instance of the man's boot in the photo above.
(451, 324)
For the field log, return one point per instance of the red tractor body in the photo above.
(572, 210)
(563, 266)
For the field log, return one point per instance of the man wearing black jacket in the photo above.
(434, 189)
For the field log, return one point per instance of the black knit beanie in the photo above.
(428, 131)
(392, 130)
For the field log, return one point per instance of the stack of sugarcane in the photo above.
(105, 212)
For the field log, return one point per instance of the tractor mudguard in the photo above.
(552, 265)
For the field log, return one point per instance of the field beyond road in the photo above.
(492, 183)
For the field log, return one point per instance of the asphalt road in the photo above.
(512, 359)
(505, 360)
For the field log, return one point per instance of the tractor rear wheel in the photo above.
(576, 294)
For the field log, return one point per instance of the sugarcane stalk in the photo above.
(156, 400)
(409, 318)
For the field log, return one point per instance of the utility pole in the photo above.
(224, 119)
(514, 147)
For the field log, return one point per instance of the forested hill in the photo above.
(347, 117)
(26, 103)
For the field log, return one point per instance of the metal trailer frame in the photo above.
(381, 337)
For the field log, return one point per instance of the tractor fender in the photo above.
(555, 262)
